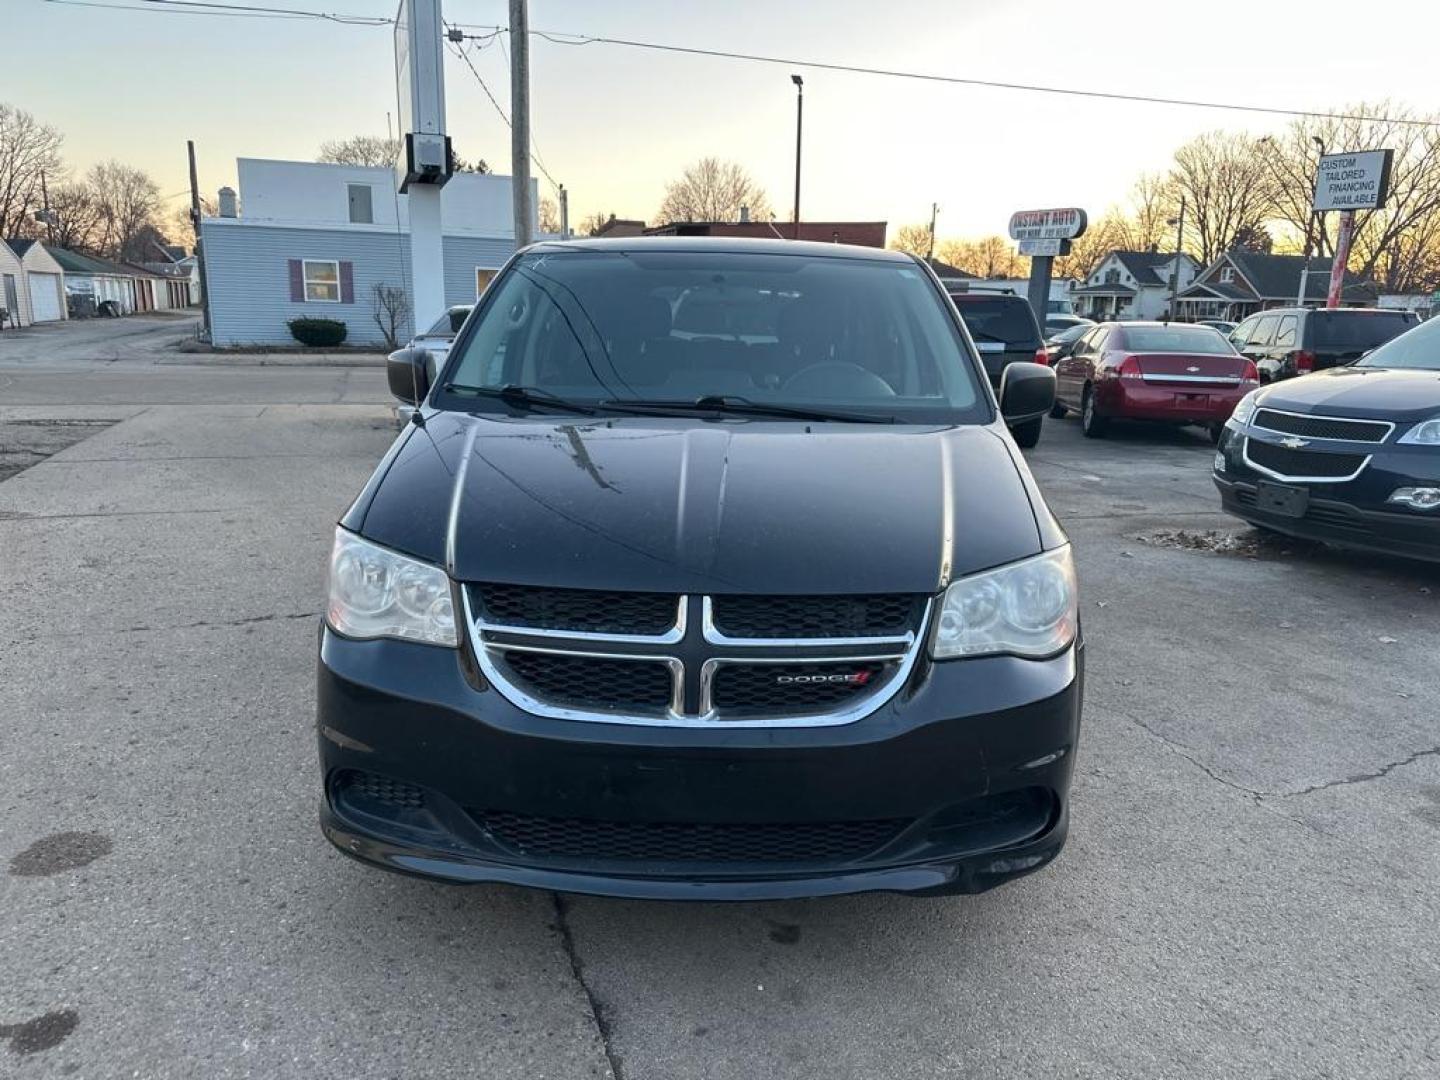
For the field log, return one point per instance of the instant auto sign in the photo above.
(1063, 224)
(1355, 180)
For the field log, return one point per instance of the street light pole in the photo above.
(1175, 267)
(799, 114)
(1309, 226)
(520, 121)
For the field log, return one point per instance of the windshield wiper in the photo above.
(735, 405)
(981, 335)
(522, 397)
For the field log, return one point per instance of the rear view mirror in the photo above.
(1026, 391)
(408, 371)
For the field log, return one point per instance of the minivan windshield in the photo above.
(604, 329)
(1418, 349)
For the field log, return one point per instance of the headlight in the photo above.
(1246, 408)
(1029, 608)
(1426, 433)
(375, 592)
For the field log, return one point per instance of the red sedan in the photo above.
(1177, 373)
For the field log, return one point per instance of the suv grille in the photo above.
(584, 610)
(883, 615)
(699, 842)
(751, 688)
(1322, 427)
(1302, 463)
(591, 682)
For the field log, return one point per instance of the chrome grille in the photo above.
(1323, 427)
(800, 668)
(1301, 463)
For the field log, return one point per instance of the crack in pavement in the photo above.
(599, 1011)
(204, 625)
(1361, 778)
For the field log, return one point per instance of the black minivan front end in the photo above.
(705, 571)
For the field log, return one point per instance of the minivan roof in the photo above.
(723, 245)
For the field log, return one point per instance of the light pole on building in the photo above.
(799, 114)
(1309, 226)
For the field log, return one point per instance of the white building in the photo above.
(40, 288)
(1133, 285)
(308, 240)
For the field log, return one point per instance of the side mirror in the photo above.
(409, 373)
(1026, 391)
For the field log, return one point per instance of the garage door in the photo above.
(45, 296)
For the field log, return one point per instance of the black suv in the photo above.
(1285, 342)
(706, 569)
(1005, 331)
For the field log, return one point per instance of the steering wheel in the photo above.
(834, 378)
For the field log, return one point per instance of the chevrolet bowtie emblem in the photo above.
(1192, 370)
(1293, 443)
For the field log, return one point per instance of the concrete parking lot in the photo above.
(1249, 888)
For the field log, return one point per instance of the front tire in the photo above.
(1092, 424)
(1027, 435)
(1058, 411)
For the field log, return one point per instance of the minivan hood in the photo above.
(687, 505)
(1402, 395)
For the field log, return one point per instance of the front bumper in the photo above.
(1351, 514)
(957, 784)
(1176, 403)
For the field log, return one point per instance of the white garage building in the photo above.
(41, 290)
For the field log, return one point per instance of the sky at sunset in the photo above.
(613, 124)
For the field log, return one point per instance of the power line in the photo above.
(464, 54)
(196, 7)
(558, 38)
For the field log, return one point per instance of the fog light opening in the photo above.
(1416, 498)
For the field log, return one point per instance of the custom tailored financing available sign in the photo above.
(1355, 180)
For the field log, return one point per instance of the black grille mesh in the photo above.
(382, 789)
(683, 841)
(1288, 462)
(591, 682)
(586, 610)
(748, 688)
(1322, 427)
(879, 615)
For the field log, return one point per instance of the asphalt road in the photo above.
(1249, 888)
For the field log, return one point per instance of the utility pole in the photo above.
(45, 203)
(930, 249)
(799, 114)
(564, 213)
(199, 244)
(1175, 268)
(520, 121)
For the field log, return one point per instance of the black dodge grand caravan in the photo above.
(708, 570)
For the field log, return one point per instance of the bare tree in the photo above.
(1153, 202)
(180, 225)
(549, 216)
(989, 256)
(128, 200)
(593, 223)
(369, 150)
(1225, 181)
(28, 148)
(77, 217)
(713, 190)
(1392, 244)
(392, 312)
(913, 240)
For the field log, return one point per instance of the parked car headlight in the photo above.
(376, 592)
(1029, 608)
(1426, 433)
(1245, 409)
